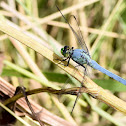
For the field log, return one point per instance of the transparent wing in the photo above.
(67, 84)
(77, 33)
(79, 38)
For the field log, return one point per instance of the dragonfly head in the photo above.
(65, 51)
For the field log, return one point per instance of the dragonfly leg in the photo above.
(62, 59)
(69, 57)
(83, 66)
(68, 61)
(65, 60)
(95, 97)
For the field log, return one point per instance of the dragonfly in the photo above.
(82, 56)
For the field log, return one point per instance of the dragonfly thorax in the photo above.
(80, 56)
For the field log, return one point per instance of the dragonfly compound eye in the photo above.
(64, 51)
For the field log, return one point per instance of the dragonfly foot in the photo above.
(62, 61)
(93, 96)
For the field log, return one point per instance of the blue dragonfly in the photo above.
(82, 56)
